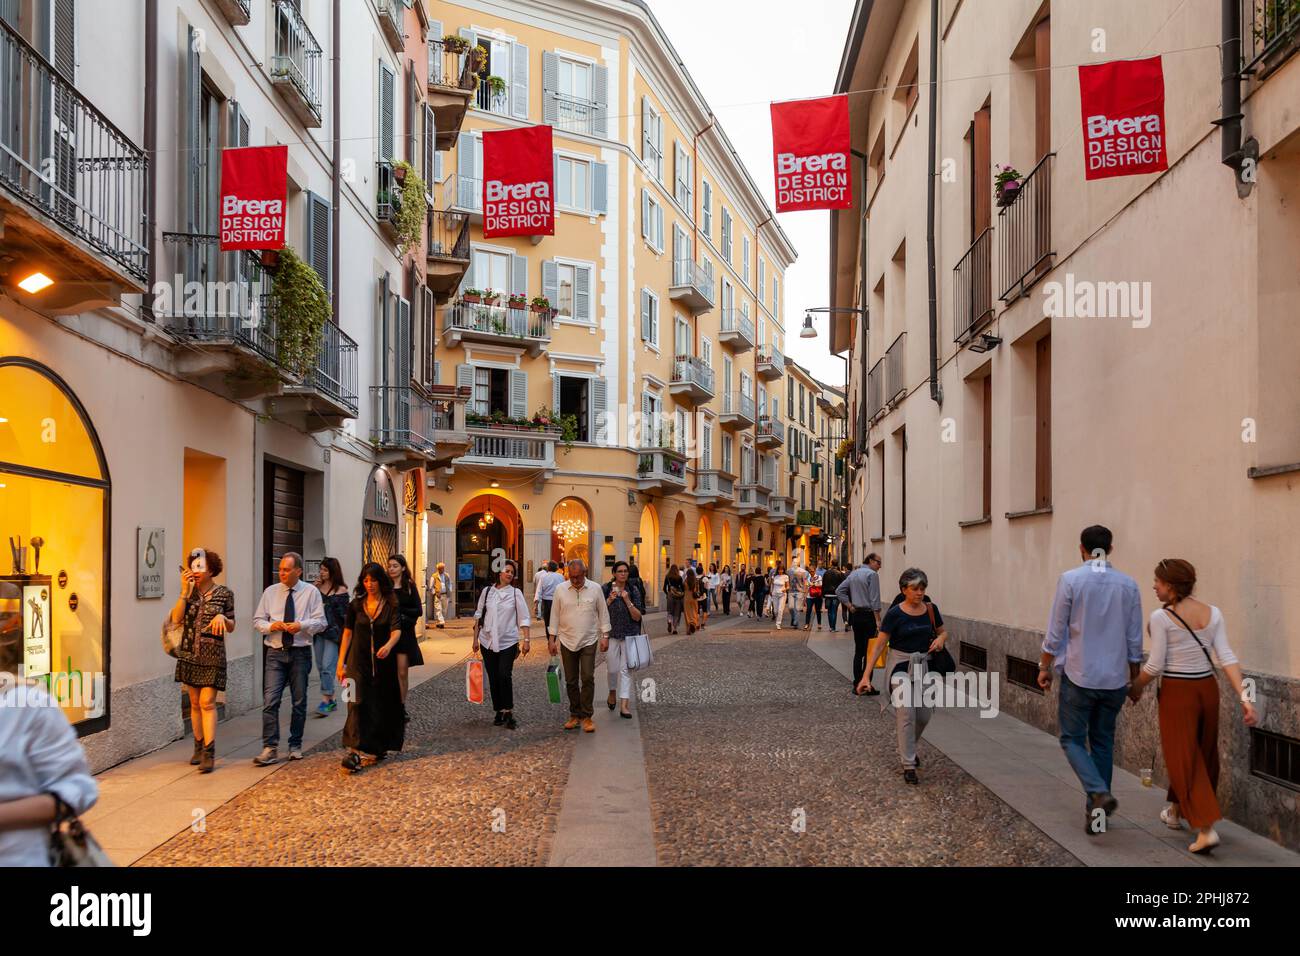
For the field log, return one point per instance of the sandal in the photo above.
(351, 763)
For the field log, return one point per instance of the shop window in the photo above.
(54, 505)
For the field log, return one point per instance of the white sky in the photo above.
(743, 54)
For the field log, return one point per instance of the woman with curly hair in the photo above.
(376, 718)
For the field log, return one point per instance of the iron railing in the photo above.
(1025, 228)
(664, 463)
(388, 194)
(875, 389)
(469, 193)
(65, 158)
(448, 68)
(769, 427)
(972, 286)
(491, 102)
(771, 355)
(738, 403)
(448, 235)
(691, 370)
(750, 495)
(217, 296)
(1274, 28)
(402, 418)
(689, 273)
(238, 12)
(390, 15)
(576, 115)
(334, 370)
(734, 320)
(297, 59)
(499, 320)
(895, 383)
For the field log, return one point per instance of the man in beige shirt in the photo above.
(579, 620)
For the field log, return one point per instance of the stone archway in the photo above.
(645, 554)
(680, 550)
(703, 547)
(488, 527)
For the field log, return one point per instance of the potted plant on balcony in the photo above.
(496, 86)
(478, 59)
(517, 300)
(270, 258)
(845, 449)
(300, 307)
(453, 43)
(547, 419)
(491, 296)
(408, 221)
(1007, 184)
(472, 296)
(541, 304)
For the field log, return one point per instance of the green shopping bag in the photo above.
(554, 681)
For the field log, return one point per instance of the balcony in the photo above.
(771, 363)
(327, 396)
(450, 433)
(388, 196)
(661, 469)
(737, 332)
(770, 432)
(512, 447)
(875, 390)
(737, 411)
(498, 325)
(219, 307)
(575, 115)
(809, 518)
(1274, 34)
(714, 487)
(751, 498)
(972, 288)
(692, 379)
(1025, 231)
(451, 86)
(402, 428)
(692, 286)
(296, 65)
(447, 250)
(238, 12)
(390, 21)
(895, 383)
(72, 188)
(491, 102)
(780, 508)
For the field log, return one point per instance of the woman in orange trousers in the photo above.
(1184, 632)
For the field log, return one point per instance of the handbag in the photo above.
(172, 635)
(637, 652)
(554, 680)
(474, 680)
(941, 661)
(71, 844)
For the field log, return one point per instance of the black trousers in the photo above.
(500, 668)
(726, 600)
(864, 629)
(814, 607)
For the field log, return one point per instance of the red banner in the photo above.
(518, 183)
(254, 183)
(810, 144)
(1123, 105)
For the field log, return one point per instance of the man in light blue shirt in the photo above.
(1094, 639)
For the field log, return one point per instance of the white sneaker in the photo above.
(1172, 822)
(295, 753)
(268, 756)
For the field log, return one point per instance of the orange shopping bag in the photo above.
(474, 680)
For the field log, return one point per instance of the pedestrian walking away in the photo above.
(832, 578)
(206, 612)
(724, 586)
(914, 630)
(860, 595)
(741, 584)
(440, 589)
(1183, 633)
(579, 621)
(693, 589)
(336, 597)
(288, 616)
(376, 723)
(411, 611)
(548, 580)
(1094, 641)
(501, 632)
(625, 607)
(675, 593)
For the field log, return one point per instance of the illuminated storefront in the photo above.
(54, 510)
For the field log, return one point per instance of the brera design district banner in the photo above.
(810, 143)
(518, 183)
(1123, 105)
(254, 183)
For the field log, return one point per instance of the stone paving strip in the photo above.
(435, 804)
(753, 738)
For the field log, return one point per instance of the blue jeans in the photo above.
(1087, 719)
(327, 662)
(832, 606)
(285, 668)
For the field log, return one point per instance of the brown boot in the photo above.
(209, 758)
(198, 752)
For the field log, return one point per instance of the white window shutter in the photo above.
(645, 315)
(519, 81)
(600, 93)
(518, 394)
(519, 274)
(647, 135)
(466, 191)
(645, 214)
(550, 87)
(551, 282)
(465, 378)
(582, 293)
(597, 417)
(555, 393)
(659, 228)
(600, 188)
(707, 442)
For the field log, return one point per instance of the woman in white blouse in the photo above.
(1184, 632)
(780, 592)
(501, 632)
(40, 757)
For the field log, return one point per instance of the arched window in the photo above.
(571, 532)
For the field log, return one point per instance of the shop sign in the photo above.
(381, 501)
(149, 557)
(465, 572)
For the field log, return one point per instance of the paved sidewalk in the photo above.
(1027, 769)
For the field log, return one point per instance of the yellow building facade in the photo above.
(631, 415)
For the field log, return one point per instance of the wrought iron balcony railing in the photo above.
(217, 296)
(895, 383)
(1270, 31)
(334, 371)
(687, 273)
(390, 19)
(1025, 231)
(738, 403)
(297, 61)
(875, 389)
(769, 427)
(737, 322)
(448, 235)
(469, 193)
(972, 286)
(771, 356)
(691, 370)
(499, 320)
(402, 418)
(388, 194)
(449, 68)
(575, 115)
(64, 158)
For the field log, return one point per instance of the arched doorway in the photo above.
(745, 557)
(644, 552)
(55, 505)
(571, 532)
(728, 558)
(679, 539)
(703, 543)
(488, 529)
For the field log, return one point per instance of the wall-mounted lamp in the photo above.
(985, 342)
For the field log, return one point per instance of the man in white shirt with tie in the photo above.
(579, 620)
(287, 616)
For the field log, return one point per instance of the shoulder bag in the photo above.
(1204, 650)
(941, 661)
(71, 844)
(172, 635)
(636, 650)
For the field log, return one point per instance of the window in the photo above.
(509, 61)
(726, 454)
(574, 400)
(876, 164)
(776, 297)
(492, 270)
(567, 280)
(683, 185)
(744, 268)
(706, 446)
(762, 282)
(575, 95)
(652, 139)
(1043, 418)
(905, 92)
(726, 236)
(651, 413)
(572, 183)
(681, 337)
(567, 286)
(652, 221)
(706, 209)
(706, 352)
(575, 80)
(728, 299)
(803, 400)
(789, 383)
(682, 423)
(650, 318)
(491, 391)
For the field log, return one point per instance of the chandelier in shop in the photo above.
(569, 529)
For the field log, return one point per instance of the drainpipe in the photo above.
(695, 211)
(1230, 85)
(336, 160)
(150, 151)
(936, 393)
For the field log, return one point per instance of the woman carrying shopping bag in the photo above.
(501, 625)
(626, 607)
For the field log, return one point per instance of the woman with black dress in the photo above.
(336, 597)
(411, 608)
(375, 724)
(675, 591)
(207, 610)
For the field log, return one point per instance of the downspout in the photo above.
(936, 393)
(1230, 85)
(336, 161)
(695, 212)
(150, 152)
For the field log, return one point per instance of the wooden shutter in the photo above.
(550, 88)
(981, 173)
(519, 81)
(64, 54)
(1043, 436)
(582, 293)
(404, 345)
(430, 150)
(194, 152)
(645, 315)
(551, 282)
(597, 430)
(465, 378)
(319, 236)
(387, 82)
(1043, 88)
(466, 191)
(519, 274)
(600, 93)
(600, 188)
(518, 393)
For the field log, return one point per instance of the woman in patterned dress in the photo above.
(207, 611)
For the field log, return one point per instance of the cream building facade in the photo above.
(990, 432)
